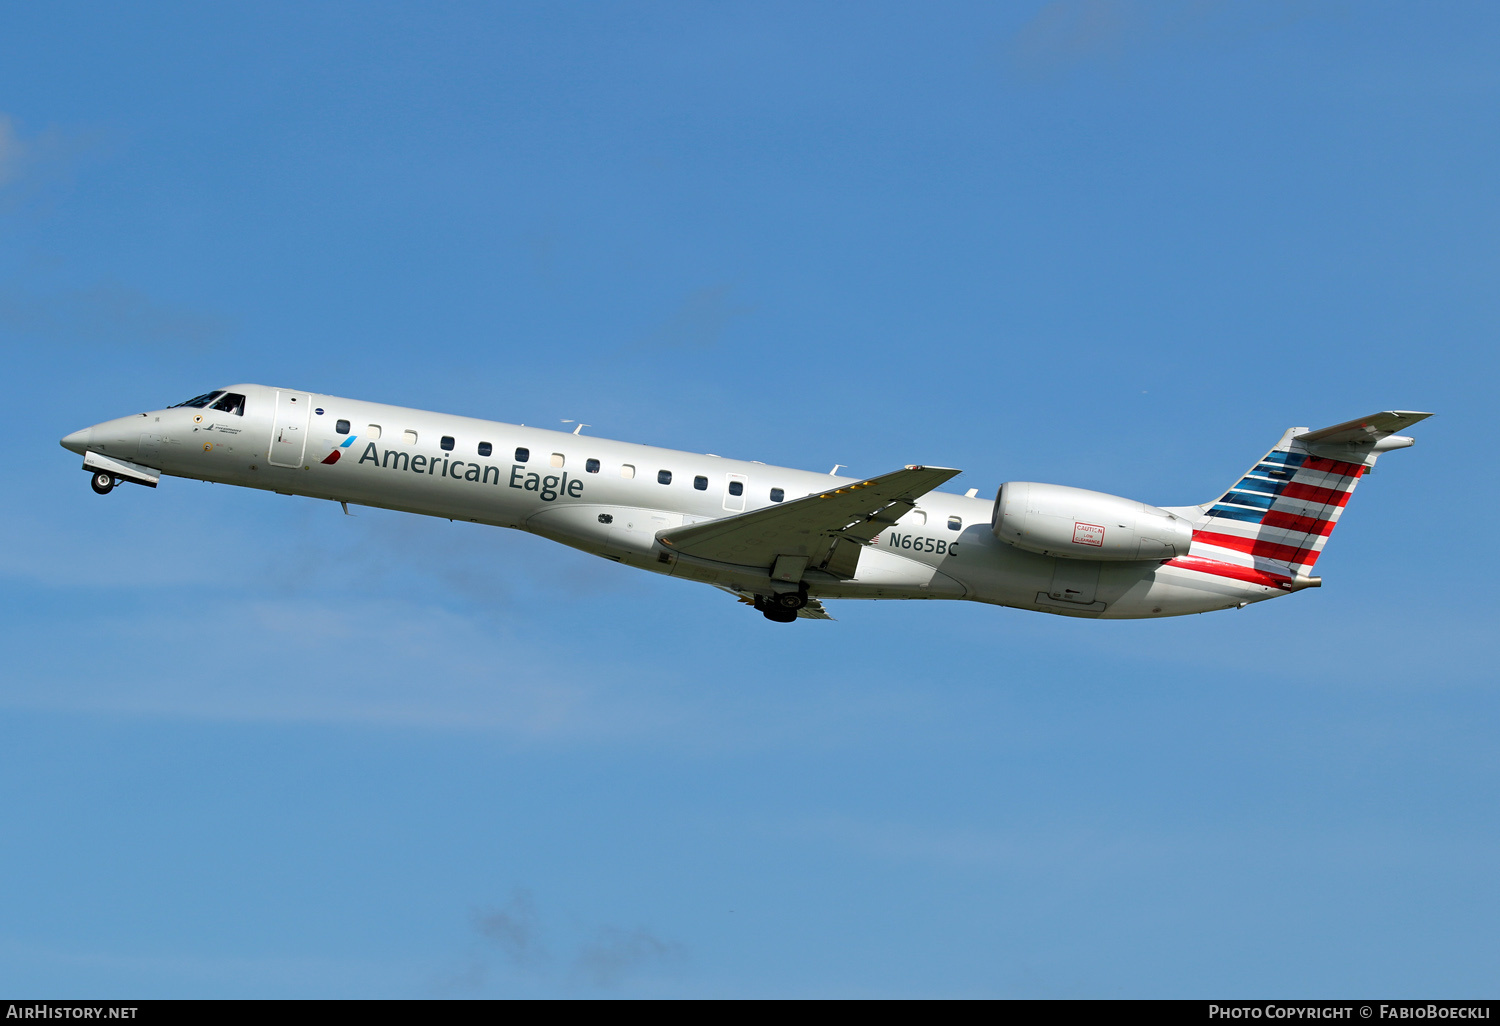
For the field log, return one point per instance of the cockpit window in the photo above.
(233, 402)
(199, 401)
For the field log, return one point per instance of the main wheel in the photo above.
(102, 483)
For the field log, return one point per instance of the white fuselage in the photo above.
(611, 498)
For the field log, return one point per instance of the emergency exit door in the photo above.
(734, 493)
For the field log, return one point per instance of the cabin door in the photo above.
(289, 429)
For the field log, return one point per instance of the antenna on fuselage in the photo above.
(580, 424)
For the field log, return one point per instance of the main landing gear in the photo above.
(781, 607)
(102, 483)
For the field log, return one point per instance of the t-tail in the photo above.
(1270, 527)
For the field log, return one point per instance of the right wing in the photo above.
(821, 531)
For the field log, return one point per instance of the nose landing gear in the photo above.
(102, 483)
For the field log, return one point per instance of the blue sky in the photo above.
(250, 747)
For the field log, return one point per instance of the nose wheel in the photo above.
(102, 483)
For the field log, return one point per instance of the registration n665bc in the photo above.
(918, 543)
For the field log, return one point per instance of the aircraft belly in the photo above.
(579, 525)
(884, 574)
(633, 532)
(1170, 591)
(1005, 575)
(620, 531)
(1108, 590)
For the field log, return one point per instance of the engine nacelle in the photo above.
(1055, 520)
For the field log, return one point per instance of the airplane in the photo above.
(781, 540)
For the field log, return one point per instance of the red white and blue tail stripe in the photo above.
(1270, 528)
(1275, 521)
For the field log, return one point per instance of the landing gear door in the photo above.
(289, 429)
(734, 493)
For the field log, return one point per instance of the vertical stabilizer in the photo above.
(1272, 525)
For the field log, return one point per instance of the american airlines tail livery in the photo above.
(781, 540)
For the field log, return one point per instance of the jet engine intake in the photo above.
(1075, 523)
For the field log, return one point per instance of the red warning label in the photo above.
(1088, 534)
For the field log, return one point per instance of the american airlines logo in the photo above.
(333, 457)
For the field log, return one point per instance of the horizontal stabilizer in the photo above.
(1366, 429)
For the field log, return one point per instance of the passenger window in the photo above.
(447, 443)
(409, 437)
(485, 448)
(592, 466)
(342, 427)
(232, 402)
(954, 523)
(374, 430)
(557, 459)
(701, 483)
(777, 494)
(663, 477)
(736, 488)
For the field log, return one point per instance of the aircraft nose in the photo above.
(78, 441)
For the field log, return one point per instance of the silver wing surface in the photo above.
(824, 531)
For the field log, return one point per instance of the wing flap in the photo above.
(827, 528)
(843, 559)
